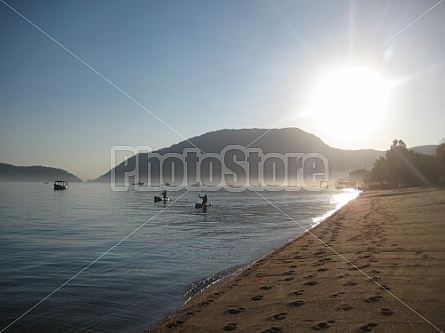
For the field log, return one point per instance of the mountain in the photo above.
(9, 172)
(427, 149)
(275, 141)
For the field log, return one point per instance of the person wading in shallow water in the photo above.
(204, 199)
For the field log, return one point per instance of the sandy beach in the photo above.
(376, 265)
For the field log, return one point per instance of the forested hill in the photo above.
(9, 172)
(279, 141)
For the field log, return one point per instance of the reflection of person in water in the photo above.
(204, 199)
(164, 194)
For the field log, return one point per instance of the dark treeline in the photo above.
(401, 167)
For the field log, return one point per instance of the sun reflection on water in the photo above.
(339, 199)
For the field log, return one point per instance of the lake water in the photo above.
(92, 260)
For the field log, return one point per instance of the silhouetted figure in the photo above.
(204, 199)
(164, 194)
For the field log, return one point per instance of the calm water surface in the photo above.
(92, 260)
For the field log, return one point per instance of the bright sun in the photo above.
(349, 104)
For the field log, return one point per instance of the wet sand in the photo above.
(377, 265)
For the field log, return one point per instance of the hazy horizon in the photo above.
(79, 78)
(120, 156)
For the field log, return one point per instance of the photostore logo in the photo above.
(235, 168)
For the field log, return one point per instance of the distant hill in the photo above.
(281, 141)
(427, 150)
(9, 172)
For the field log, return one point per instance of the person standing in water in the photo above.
(204, 199)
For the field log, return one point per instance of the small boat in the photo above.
(137, 183)
(200, 205)
(345, 183)
(60, 185)
(159, 199)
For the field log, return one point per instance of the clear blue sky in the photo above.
(203, 65)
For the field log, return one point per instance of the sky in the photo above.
(80, 77)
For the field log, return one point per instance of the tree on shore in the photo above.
(403, 167)
(360, 176)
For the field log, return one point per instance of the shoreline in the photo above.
(370, 266)
(222, 275)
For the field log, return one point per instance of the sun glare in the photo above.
(350, 103)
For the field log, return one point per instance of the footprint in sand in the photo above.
(337, 294)
(344, 307)
(323, 325)
(297, 303)
(310, 276)
(324, 269)
(257, 298)
(230, 327)
(277, 317)
(273, 330)
(325, 260)
(384, 287)
(311, 283)
(349, 283)
(207, 302)
(368, 327)
(386, 311)
(266, 287)
(297, 292)
(373, 299)
(175, 324)
(235, 310)
(366, 256)
(290, 278)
